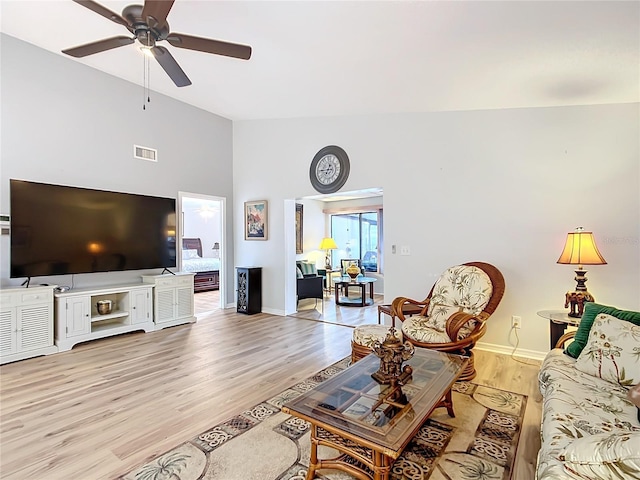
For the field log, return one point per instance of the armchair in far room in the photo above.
(308, 283)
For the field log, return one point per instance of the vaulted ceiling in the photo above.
(318, 58)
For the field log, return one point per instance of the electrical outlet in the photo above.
(405, 250)
(516, 321)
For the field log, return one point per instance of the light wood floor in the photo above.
(106, 406)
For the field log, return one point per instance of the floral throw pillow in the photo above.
(612, 351)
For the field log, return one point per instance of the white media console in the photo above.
(27, 315)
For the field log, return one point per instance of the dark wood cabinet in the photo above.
(249, 290)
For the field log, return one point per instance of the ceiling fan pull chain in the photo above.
(144, 80)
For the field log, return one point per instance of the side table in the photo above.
(327, 273)
(407, 309)
(558, 321)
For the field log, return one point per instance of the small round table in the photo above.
(558, 321)
(360, 282)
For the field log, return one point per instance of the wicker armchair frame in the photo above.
(458, 320)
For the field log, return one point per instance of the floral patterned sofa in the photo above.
(590, 429)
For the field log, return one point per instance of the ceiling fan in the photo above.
(148, 24)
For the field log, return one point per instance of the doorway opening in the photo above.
(201, 248)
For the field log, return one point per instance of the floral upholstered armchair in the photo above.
(454, 314)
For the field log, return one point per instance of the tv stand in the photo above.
(25, 284)
(78, 320)
(165, 269)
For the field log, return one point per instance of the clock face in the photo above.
(329, 169)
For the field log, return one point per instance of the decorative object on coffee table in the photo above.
(392, 354)
(353, 270)
(580, 249)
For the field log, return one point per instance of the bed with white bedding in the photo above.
(207, 270)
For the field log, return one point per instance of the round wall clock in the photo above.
(329, 169)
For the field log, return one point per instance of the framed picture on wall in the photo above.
(255, 220)
(299, 209)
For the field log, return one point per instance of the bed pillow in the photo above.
(612, 352)
(592, 309)
(299, 273)
(188, 254)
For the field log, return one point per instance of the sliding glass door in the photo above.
(357, 236)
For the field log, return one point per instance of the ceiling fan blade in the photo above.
(104, 11)
(155, 12)
(99, 46)
(168, 63)
(208, 45)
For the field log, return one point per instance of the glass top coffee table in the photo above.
(361, 282)
(365, 420)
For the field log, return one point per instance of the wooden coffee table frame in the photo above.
(377, 458)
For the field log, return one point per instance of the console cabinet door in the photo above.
(78, 316)
(8, 331)
(35, 327)
(141, 305)
(184, 305)
(165, 304)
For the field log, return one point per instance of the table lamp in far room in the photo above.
(328, 244)
(580, 249)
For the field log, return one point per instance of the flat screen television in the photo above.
(58, 230)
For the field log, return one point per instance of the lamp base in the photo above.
(575, 301)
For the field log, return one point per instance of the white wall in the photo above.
(501, 186)
(66, 123)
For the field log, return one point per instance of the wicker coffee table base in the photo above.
(359, 460)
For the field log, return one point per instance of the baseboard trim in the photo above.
(506, 350)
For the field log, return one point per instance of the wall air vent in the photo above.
(145, 153)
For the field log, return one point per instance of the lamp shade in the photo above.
(328, 243)
(581, 249)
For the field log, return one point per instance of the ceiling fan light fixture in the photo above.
(146, 50)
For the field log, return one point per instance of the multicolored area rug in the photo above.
(265, 444)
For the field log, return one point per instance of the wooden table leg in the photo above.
(313, 461)
(381, 466)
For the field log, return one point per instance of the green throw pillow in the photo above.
(591, 310)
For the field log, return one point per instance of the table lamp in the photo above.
(328, 244)
(580, 249)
